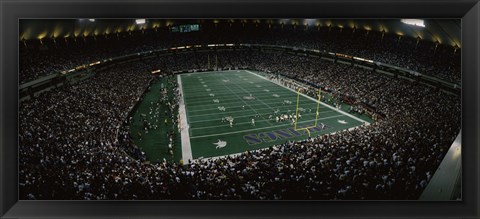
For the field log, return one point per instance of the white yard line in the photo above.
(261, 93)
(208, 101)
(185, 136)
(232, 105)
(269, 127)
(249, 115)
(259, 85)
(210, 72)
(241, 123)
(263, 85)
(331, 107)
(206, 96)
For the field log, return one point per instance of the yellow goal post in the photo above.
(299, 91)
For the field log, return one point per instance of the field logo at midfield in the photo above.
(282, 134)
(220, 144)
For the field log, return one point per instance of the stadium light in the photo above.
(140, 21)
(91, 20)
(414, 22)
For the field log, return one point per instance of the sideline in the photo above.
(184, 127)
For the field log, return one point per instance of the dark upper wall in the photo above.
(445, 31)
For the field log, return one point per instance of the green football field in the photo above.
(212, 99)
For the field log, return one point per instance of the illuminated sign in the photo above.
(185, 28)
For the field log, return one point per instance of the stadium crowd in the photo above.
(73, 145)
(422, 56)
(67, 132)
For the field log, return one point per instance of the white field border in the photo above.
(184, 128)
(316, 101)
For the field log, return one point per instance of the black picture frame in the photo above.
(11, 11)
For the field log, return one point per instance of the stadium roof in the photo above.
(444, 31)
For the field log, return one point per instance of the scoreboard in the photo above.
(185, 28)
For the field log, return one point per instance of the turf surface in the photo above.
(154, 142)
(245, 95)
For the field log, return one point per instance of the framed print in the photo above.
(239, 109)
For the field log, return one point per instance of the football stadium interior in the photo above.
(240, 109)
